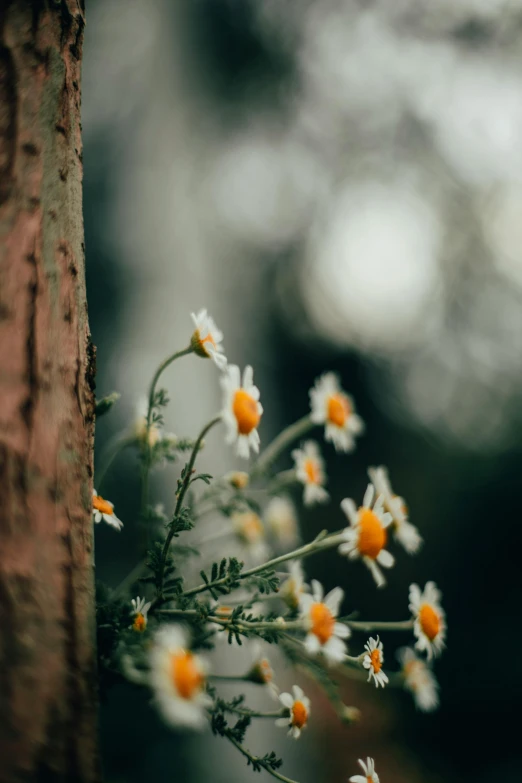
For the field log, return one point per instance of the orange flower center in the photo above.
(101, 505)
(207, 339)
(430, 621)
(250, 527)
(375, 658)
(224, 611)
(323, 622)
(312, 471)
(245, 410)
(338, 410)
(299, 714)
(372, 535)
(185, 674)
(139, 623)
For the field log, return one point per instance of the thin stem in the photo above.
(359, 625)
(256, 760)
(152, 391)
(117, 448)
(280, 443)
(253, 714)
(181, 496)
(130, 579)
(147, 447)
(318, 545)
(242, 625)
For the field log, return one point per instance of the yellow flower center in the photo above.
(249, 526)
(375, 658)
(299, 714)
(101, 505)
(312, 471)
(245, 410)
(338, 410)
(186, 676)
(372, 535)
(323, 622)
(430, 621)
(140, 623)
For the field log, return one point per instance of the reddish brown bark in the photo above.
(47, 663)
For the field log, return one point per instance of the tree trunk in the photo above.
(48, 726)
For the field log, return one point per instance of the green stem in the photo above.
(163, 366)
(280, 443)
(152, 393)
(254, 759)
(113, 452)
(181, 496)
(318, 545)
(401, 625)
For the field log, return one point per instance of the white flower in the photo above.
(404, 532)
(104, 509)
(332, 407)
(309, 468)
(367, 536)
(324, 634)
(370, 775)
(430, 620)
(281, 521)
(177, 677)
(261, 671)
(237, 479)
(298, 707)
(139, 611)
(373, 661)
(241, 409)
(249, 529)
(207, 339)
(419, 680)
(294, 587)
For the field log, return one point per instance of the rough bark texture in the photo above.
(48, 728)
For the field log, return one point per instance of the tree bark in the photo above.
(48, 721)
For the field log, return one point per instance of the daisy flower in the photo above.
(370, 775)
(367, 536)
(104, 509)
(294, 587)
(249, 529)
(241, 409)
(207, 339)
(404, 532)
(140, 610)
(335, 409)
(430, 620)
(309, 469)
(419, 680)
(238, 479)
(373, 661)
(261, 671)
(324, 634)
(178, 678)
(298, 707)
(281, 521)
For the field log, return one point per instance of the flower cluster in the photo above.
(166, 638)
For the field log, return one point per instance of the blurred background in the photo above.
(340, 183)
